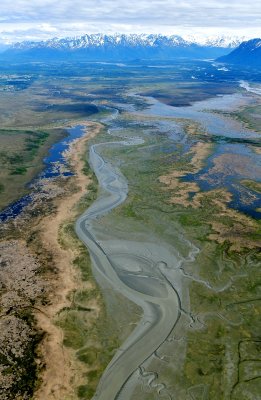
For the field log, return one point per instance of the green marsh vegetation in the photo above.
(21, 155)
(250, 116)
(88, 325)
(214, 359)
(226, 307)
(31, 120)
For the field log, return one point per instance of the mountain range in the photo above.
(95, 47)
(248, 54)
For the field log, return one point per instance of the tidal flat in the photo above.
(161, 210)
(171, 221)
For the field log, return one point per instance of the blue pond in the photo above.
(243, 199)
(232, 140)
(50, 171)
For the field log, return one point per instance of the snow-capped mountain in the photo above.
(132, 40)
(223, 41)
(248, 53)
(97, 47)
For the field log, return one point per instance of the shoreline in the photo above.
(58, 372)
(38, 281)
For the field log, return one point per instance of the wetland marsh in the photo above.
(172, 227)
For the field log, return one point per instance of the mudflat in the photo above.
(160, 285)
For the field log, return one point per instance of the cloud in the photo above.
(44, 18)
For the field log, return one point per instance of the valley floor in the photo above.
(40, 278)
(174, 215)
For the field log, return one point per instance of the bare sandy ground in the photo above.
(60, 373)
(181, 189)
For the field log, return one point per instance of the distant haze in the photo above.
(43, 19)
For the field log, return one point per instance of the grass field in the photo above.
(21, 158)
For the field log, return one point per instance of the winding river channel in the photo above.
(149, 274)
(144, 272)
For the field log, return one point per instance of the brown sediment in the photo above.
(227, 224)
(181, 190)
(22, 289)
(60, 365)
(230, 163)
(256, 149)
(194, 128)
(256, 186)
(200, 151)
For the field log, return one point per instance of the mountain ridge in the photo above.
(97, 47)
(99, 40)
(247, 53)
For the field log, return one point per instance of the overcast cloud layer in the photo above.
(42, 19)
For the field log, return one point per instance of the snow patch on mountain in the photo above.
(131, 40)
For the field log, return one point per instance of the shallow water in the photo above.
(242, 161)
(144, 272)
(214, 124)
(54, 166)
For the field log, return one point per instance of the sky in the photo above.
(43, 19)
